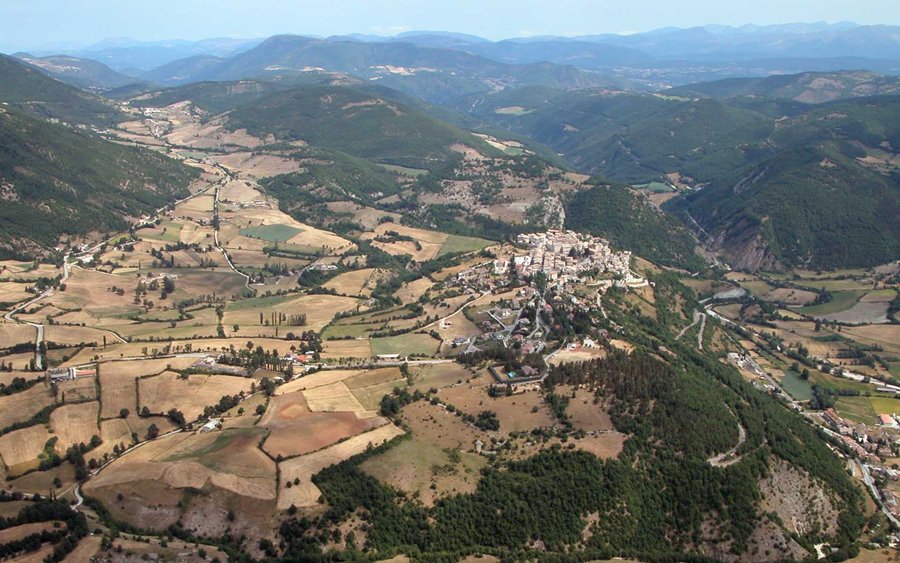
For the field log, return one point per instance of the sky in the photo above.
(34, 23)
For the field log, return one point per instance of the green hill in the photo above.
(630, 222)
(780, 183)
(31, 91)
(806, 87)
(214, 97)
(55, 181)
(356, 123)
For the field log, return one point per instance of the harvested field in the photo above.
(295, 430)
(359, 348)
(75, 424)
(887, 336)
(516, 413)
(577, 355)
(355, 283)
(319, 311)
(14, 333)
(410, 292)
(157, 474)
(112, 432)
(75, 335)
(169, 390)
(429, 242)
(77, 390)
(21, 406)
(118, 389)
(436, 376)
(332, 398)
(256, 165)
(20, 449)
(373, 377)
(317, 379)
(791, 296)
(20, 532)
(306, 494)
(240, 191)
(12, 292)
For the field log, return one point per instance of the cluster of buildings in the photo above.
(58, 375)
(565, 255)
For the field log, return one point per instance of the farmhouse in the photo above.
(388, 357)
(213, 424)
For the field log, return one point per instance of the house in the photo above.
(529, 371)
(887, 420)
(61, 374)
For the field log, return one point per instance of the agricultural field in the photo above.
(75, 424)
(405, 345)
(190, 395)
(295, 429)
(12, 334)
(24, 404)
(302, 468)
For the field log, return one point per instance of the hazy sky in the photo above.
(30, 23)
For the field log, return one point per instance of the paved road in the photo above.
(730, 457)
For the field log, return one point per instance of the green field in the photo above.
(404, 344)
(856, 409)
(885, 405)
(354, 330)
(456, 243)
(403, 170)
(795, 386)
(757, 287)
(840, 301)
(655, 187)
(838, 383)
(894, 368)
(172, 234)
(272, 233)
(836, 285)
(259, 302)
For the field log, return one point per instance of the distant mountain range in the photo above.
(650, 60)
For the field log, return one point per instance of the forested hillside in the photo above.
(56, 181)
(354, 122)
(628, 221)
(29, 90)
(780, 183)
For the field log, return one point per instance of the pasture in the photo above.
(516, 413)
(23, 405)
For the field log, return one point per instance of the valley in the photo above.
(413, 303)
